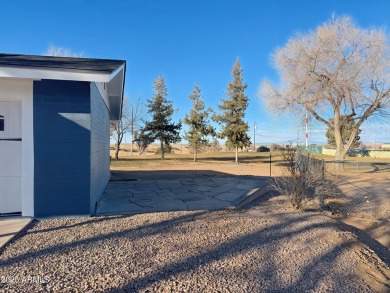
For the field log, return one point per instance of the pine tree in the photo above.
(161, 127)
(143, 139)
(234, 128)
(347, 125)
(198, 122)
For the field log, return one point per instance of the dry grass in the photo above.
(253, 164)
(221, 157)
(353, 159)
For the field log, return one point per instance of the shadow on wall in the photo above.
(62, 165)
(62, 141)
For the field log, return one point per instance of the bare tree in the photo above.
(120, 128)
(337, 70)
(131, 116)
(136, 113)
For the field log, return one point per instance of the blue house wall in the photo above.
(100, 147)
(62, 145)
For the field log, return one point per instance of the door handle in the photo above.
(11, 139)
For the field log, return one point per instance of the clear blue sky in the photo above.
(187, 42)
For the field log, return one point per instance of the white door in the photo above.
(10, 157)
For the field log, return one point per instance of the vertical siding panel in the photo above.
(61, 147)
(100, 146)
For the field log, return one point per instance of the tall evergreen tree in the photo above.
(161, 127)
(234, 128)
(198, 122)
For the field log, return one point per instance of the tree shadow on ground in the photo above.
(342, 206)
(255, 240)
(142, 231)
(355, 197)
(92, 220)
(313, 272)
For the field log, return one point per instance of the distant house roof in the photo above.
(111, 72)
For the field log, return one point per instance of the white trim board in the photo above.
(49, 73)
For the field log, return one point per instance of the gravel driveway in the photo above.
(265, 248)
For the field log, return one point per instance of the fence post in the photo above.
(270, 165)
(323, 169)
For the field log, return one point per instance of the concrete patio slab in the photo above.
(10, 227)
(145, 196)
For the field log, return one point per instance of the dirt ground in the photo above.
(267, 247)
(150, 166)
(363, 202)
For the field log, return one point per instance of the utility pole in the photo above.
(254, 136)
(307, 129)
(132, 130)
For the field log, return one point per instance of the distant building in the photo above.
(386, 146)
(55, 117)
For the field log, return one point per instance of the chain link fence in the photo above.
(356, 192)
(355, 188)
(359, 188)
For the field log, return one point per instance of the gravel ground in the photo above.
(265, 248)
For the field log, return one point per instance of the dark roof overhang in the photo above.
(110, 72)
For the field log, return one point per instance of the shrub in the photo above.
(167, 149)
(276, 147)
(262, 149)
(302, 177)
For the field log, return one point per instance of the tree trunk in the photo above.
(337, 136)
(339, 153)
(162, 150)
(195, 155)
(351, 139)
(237, 155)
(117, 151)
